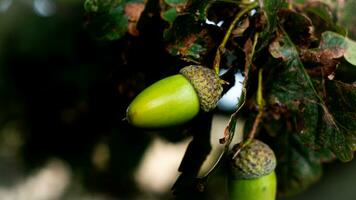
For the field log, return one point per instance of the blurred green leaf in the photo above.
(350, 55)
(298, 166)
(170, 9)
(348, 18)
(176, 2)
(200, 8)
(322, 18)
(339, 46)
(110, 19)
(170, 15)
(334, 42)
(189, 39)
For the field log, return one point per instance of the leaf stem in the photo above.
(249, 57)
(260, 104)
(216, 64)
(260, 100)
(258, 119)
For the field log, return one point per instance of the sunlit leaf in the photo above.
(339, 46)
(350, 54)
(336, 44)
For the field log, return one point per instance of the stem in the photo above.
(257, 122)
(258, 119)
(249, 57)
(260, 104)
(222, 45)
(260, 100)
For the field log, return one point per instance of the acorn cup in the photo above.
(176, 99)
(252, 173)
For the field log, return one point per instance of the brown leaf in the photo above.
(248, 51)
(133, 12)
(323, 61)
(240, 28)
(187, 43)
(298, 26)
(184, 45)
(260, 22)
(276, 47)
(331, 53)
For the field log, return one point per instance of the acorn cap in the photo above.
(255, 160)
(206, 83)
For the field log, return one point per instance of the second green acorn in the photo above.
(253, 173)
(176, 99)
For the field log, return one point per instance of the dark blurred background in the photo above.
(63, 97)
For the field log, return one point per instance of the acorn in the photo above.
(252, 173)
(176, 99)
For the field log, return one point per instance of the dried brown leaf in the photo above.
(240, 29)
(133, 12)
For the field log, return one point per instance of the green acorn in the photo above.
(252, 173)
(176, 99)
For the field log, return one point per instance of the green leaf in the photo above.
(292, 87)
(200, 8)
(289, 86)
(332, 137)
(176, 2)
(270, 9)
(348, 18)
(306, 123)
(189, 39)
(322, 18)
(110, 19)
(334, 42)
(350, 54)
(298, 166)
(338, 125)
(170, 15)
(341, 102)
(300, 36)
(339, 45)
(170, 9)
